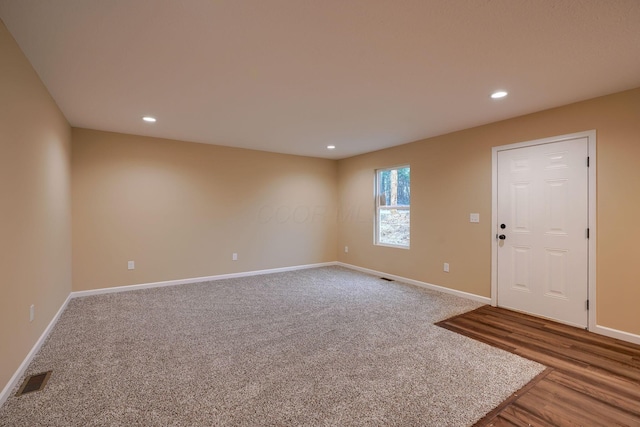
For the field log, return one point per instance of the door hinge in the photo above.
(588, 161)
(587, 232)
(587, 304)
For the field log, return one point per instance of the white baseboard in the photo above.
(6, 392)
(196, 280)
(614, 333)
(601, 330)
(474, 297)
(625, 336)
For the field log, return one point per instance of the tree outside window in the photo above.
(393, 206)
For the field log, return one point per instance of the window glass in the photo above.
(393, 206)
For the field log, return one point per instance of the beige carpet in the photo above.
(320, 347)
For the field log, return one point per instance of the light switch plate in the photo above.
(474, 217)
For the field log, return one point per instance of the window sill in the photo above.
(389, 245)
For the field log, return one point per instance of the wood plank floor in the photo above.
(590, 380)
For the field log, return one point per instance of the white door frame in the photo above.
(591, 143)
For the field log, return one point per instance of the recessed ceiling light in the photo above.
(149, 119)
(331, 147)
(499, 94)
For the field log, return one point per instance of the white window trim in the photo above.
(377, 206)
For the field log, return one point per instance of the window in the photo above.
(393, 203)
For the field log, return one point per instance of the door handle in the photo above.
(502, 237)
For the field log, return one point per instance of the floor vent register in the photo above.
(34, 383)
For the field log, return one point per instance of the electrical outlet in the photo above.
(234, 257)
(131, 265)
(474, 217)
(346, 249)
(446, 267)
(32, 312)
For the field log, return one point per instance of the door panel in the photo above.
(543, 202)
(521, 268)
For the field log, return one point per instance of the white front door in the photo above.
(542, 240)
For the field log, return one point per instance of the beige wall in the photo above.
(179, 210)
(451, 177)
(35, 233)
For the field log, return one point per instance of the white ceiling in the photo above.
(293, 76)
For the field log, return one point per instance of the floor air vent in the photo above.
(34, 383)
(387, 279)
